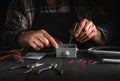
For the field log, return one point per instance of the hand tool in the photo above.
(72, 33)
(29, 67)
(51, 67)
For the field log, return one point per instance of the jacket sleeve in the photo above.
(98, 16)
(103, 23)
(17, 21)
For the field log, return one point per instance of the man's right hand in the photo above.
(37, 39)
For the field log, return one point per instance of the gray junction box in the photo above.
(66, 51)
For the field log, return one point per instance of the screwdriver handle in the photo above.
(72, 33)
(75, 27)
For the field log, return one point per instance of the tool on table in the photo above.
(72, 33)
(51, 67)
(29, 67)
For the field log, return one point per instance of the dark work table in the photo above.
(72, 71)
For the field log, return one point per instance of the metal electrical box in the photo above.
(66, 51)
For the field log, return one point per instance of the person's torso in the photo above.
(57, 22)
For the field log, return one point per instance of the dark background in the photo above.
(111, 7)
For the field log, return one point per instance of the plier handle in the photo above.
(51, 67)
(30, 67)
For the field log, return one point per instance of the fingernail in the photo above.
(56, 46)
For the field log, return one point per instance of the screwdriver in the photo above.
(72, 33)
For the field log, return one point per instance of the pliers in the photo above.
(51, 67)
(29, 67)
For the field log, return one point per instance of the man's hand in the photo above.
(37, 39)
(87, 30)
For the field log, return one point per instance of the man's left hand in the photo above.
(87, 30)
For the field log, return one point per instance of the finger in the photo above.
(79, 29)
(81, 36)
(34, 46)
(50, 38)
(87, 31)
(86, 38)
(38, 43)
(44, 40)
